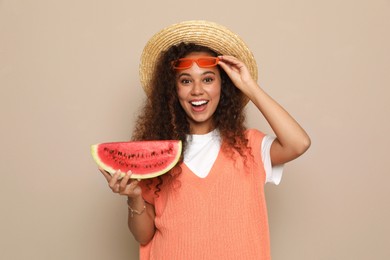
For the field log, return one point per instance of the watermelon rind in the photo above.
(134, 175)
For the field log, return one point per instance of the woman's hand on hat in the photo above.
(237, 72)
(122, 184)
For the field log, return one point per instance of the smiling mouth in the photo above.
(199, 103)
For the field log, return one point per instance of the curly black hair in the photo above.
(163, 118)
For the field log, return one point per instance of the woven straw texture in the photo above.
(209, 34)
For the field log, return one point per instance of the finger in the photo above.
(125, 180)
(236, 70)
(229, 59)
(113, 183)
(230, 70)
(224, 66)
(132, 189)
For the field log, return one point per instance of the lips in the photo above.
(199, 105)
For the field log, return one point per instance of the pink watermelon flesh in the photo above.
(145, 159)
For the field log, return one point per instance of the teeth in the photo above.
(199, 103)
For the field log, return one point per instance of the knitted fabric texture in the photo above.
(222, 216)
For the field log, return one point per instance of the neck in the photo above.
(201, 129)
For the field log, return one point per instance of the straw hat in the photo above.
(209, 34)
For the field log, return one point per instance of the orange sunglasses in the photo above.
(203, 62)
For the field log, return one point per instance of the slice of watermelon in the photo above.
(146, 159)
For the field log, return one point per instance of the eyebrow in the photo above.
(188, 74)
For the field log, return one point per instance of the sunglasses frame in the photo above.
(215, 59)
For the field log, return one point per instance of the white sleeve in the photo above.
(273, 173)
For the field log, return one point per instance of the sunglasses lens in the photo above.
(203, 62)
(207, 62)
(182, 63)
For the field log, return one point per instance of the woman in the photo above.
(212, 204)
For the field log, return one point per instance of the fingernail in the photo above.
(119, 174)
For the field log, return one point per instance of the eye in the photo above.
(185, 81)
(208, 80)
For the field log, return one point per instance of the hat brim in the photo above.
(209, 34)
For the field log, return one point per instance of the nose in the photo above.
(197, 88)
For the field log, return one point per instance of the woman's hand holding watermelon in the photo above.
(122, 186)
(141, 214)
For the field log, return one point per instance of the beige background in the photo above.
(69, 78)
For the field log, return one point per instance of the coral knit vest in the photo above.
(222, 216)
